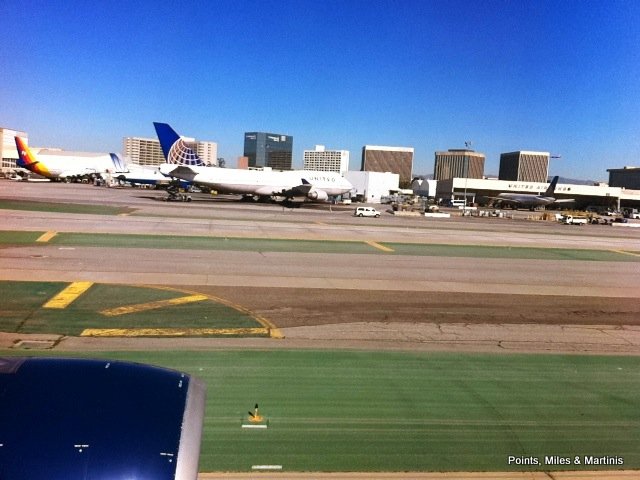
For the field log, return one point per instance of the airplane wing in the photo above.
(306, 190)
(301, 190)
(78, 172)
(78, 418)
(181, 171)
(503, 199)
(564, 200)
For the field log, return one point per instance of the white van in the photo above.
(571, 220)
(366, 212)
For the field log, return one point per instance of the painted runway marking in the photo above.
(142, 307)
(45, 237)
(67, 296)
(274, 332)
(626, 253)
(170, 332)
(379, 246)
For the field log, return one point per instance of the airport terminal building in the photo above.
(8, 151)
(479, 192)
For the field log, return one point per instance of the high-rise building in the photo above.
(268, 150)
(627, 177)
(458, 163)
(389, 159)
(325, 160)
(8, 151)
(524, 166)
(147, 151)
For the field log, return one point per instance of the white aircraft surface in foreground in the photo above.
(293, 184)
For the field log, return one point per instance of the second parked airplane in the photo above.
(65, 166)
(530, 200)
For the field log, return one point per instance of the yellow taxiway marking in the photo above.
(68, 295)
(626, 253)
(170, 332)
(45, 237)
(142, 307)
(274, 332)
(379, 246)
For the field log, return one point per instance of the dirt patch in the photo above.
(292, 307)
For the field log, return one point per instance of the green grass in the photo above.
(486, 251)
(390, 411)
(22, 310)
(209, 243)
(314, 246)
(8, 237)
(34, 206)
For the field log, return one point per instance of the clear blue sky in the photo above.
(558, 76)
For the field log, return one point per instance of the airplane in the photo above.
(305, 185)
(65, 166)
(530, 200)
(139, 175)
(80, 418)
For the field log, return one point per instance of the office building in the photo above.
(325, 160)
(524, 166)
(147, 151)
(8, 151)
(389, 159)
(268, 150)
(458, 163)
(627, 177)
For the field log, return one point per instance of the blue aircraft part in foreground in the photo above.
(96, 419)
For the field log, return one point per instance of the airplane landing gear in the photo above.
(175, 195)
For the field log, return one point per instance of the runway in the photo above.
(322, 294)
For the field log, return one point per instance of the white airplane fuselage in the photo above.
(525, 199)
(63, 166)
(262, 182)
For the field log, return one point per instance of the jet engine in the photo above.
(76, 418)
(319, 195)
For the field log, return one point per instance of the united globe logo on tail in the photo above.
(181, 154)
(174, 148)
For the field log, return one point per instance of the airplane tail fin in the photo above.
(119, 164)
(552, 187)
(26, 158)
(174, 148)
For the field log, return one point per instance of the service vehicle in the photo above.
(366, 212)
(573, 220)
